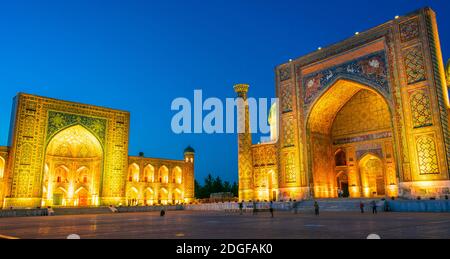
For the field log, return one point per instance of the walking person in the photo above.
(241, 207)
(361, 207)
(254, 208)
(295, 206)
(271, 208)
(316, 208)
(374, 207)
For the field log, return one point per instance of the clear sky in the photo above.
(140, 55)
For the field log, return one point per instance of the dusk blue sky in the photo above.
(140, 55)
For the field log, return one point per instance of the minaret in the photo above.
(188, 174)
(245, 167)
(447, 72)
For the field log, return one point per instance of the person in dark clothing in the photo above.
(361, 206)
(241, 207)
(316, 208)
(254, 208)
(374, 207)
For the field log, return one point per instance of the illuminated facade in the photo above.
(366, 117)
(69, 154)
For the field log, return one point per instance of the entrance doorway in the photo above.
(342, 183)
(372, 176)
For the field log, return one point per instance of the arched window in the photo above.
(163, 174)
(340, 158)
(133, 173)
(61, 174)
(149, 174)
(177, 175)
(2, 166)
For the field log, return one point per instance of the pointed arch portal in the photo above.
(73, 167)
(346, 121)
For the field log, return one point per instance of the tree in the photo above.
(214, 185)
(235, 189)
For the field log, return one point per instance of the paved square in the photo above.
(221, 225)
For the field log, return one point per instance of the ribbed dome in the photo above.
(189, 149)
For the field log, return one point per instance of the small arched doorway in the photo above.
(373, 181)
(163, 196)
(342, 184)
(148, 196)
(82, 197)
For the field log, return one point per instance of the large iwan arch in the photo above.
(348, 116)
(74, 163)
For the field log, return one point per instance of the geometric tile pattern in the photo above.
(421, 110)
(285, 73)
(414, 65)
(426, 151)
(364, 112)
(409, 30)
(286, 98)
(288, 133)
(289, 168)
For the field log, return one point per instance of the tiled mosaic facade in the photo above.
(69, 154)
(427, 155)
(414, 65)
(421, 109)
(372, 100)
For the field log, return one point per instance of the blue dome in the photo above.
(189, 149)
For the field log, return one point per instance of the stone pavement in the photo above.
(221, 225)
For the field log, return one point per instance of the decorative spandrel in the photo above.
(370, 69)
(59, 120)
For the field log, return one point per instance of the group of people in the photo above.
(294, 206)
(255, 209)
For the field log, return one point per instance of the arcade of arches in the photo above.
(148, 186)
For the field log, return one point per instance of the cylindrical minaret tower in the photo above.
(188, 174)
(245, 168)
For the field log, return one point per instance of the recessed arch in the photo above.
(73, 163)
(372, 173)
(163, 174)
(323, 110)
(133, 173)
(329, 129)
(2, 167)
(177, 175)
(149, 173)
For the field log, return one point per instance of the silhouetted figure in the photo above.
(162, 213)
(271, 208)
(254, 208)
(374, 207)
(295, 207)
(316, 208)
(361, 206)
(241, 207)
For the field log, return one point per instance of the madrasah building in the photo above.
(69, 154)
(366, 117)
